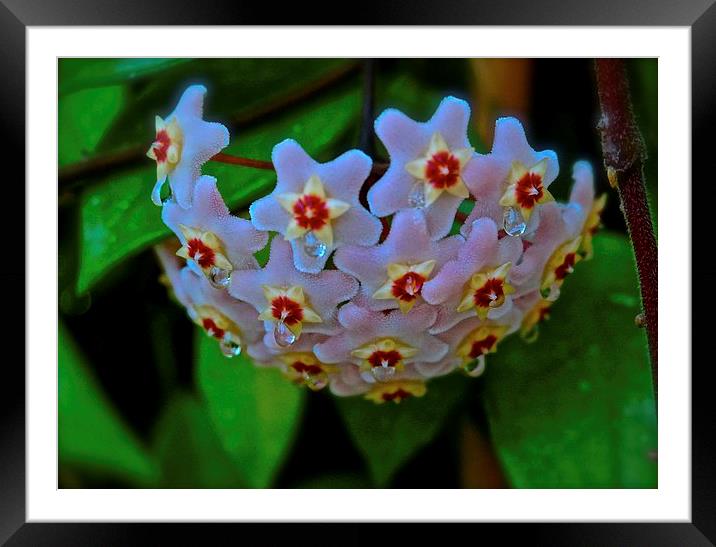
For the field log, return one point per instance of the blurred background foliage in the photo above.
(145, 400)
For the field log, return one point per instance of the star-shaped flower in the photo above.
(392, 274)
(429, 164)
(312, 211)
(171, 271)
(476, 281)
(554, 249)
(581, 201)
(350, 381)
(511, 181)
(290, 301)
(183, 143)
(592, 226)
(288, 305)
(231, 322)
(536, 310)
(301, 366)
(440, 170)
(214, 242)
(382, 343)
(396, 391)
(315, 205)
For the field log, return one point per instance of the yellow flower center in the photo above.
(481, 341)
(560, 265)
(312, 211)
(405, 283)
(385, 353)
(591, 225)
(486, 291)
(440, 169)
(396, 391)
(304, 368)
(525, 188)
(539, 312)
(288, 306)
(167, 146)
(206, 250)
(218, 326)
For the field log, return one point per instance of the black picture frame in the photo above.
(16, 15)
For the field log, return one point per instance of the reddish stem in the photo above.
(244, 162)
(624, 155)
(377, 170)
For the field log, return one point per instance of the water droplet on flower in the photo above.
(219, 278)
(314, 246)
(383, 373)
(475, 367)
(283, 335)
(315, 382)
(416, 197)
(551, 293)
(513, 222)
(230, 348)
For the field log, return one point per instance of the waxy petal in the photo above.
(408, 242)
(323, 291)
(486, 176)
(407, 142)
(201, 141)
(340, 180)
(363, 326)
(209, 213)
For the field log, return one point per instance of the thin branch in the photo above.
(624, 156)
(366, 128)
(377, 170)
(244, 162)
(77, 175)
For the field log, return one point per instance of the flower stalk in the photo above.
(366, 129)
(624, 155)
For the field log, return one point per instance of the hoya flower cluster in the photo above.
(365, 289)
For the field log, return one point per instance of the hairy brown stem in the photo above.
(624, 155)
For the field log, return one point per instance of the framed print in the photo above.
(358, 274)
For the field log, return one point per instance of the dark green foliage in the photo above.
(576, 408)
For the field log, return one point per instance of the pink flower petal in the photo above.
(408, 242)
(363, 326)
(209, 213)
(407, 140)
(324, 291)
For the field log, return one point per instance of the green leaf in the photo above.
(77, 74)
(576, 408)
(188, 449)
(237, 90)
(255, 411)
(83, 118)
(91, 435)
(388, 435)
(406, 93)
(119, 219)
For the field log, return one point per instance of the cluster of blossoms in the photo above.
(368, 293)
